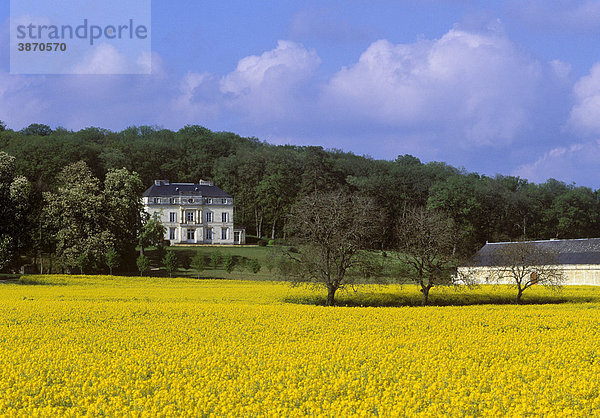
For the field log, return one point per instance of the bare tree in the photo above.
(525, 264)
(426, 240)
(331, 229)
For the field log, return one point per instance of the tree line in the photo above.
(266, 181)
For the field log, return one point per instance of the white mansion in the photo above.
(193, 213)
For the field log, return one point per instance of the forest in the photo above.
(267, 180)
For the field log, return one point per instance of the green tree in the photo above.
(38, 129)
(122, 194)
(215, 259)
(15, 204)
(143, 264)
(83, 262)
(76, 215)
(152, 233)
(254, 265)
(170, 262)
(112, 259)
(228, 263)
(198, 263)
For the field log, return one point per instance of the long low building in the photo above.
(578, 259)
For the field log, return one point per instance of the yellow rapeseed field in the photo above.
(163, 347)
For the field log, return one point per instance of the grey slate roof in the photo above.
(568, 251)
(186, 189)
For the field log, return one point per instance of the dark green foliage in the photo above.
(267, 180)
(215, 259)
(198, 263)
(152, 233)
(83, 262)
(228, 263)
(143, 264)
(15, 206)
(170, 262)
(112, 259)
(85, 219)
(36, 129)
(254, 265)
(122, 191)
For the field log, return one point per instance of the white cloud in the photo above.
(576, 162)
(478, 86)
(107, 59)
(585, 115)
(198, 98)
(265, 87)
(20, 103)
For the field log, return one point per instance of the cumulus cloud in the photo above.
(107, 59)
(585, 115)
(198, 99)
(478, 86)
(266, 86)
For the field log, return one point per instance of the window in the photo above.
(224, 217)
(157, 200)
(209, 201)
(172, 233)
(224, 201)
(190, 234)
(190, 200)
(189, 216)
(172, 217)
(209, 217)
(209, 233)
(172, 200)
(224, 233)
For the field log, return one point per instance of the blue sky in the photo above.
(509, 87)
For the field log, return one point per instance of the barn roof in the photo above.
(567, 251)
(165, 188)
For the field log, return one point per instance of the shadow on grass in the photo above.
(380, 300)
(40, 281)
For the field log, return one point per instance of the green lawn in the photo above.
(240, 254)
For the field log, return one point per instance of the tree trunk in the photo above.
(331, 295)
(425, 292)
(273, 229)
(519, 294)
(258, 219)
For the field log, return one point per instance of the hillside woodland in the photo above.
(267, 180)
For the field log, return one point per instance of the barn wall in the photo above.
(577, 274)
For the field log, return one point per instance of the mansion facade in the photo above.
(193, 213)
